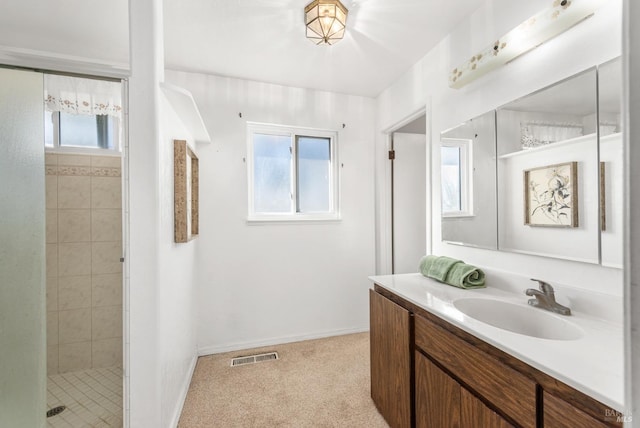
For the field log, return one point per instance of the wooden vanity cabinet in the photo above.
(425, 372)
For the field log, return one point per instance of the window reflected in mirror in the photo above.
(457, 173)
(468, 183)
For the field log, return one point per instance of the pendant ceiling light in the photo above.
(325, 21)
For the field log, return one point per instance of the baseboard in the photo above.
(183, 392)
(218, 349)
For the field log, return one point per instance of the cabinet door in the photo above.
(474, 413)
(437, 396)
(390, 360)
(442, 403)
(513, 393)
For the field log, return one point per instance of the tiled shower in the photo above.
(84, 272)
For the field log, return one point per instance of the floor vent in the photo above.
(252, 359)
(55, 411)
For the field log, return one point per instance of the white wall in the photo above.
(592, 42)
(272, 283)
(177, 282)
(161, 344)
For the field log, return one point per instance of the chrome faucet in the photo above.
(545, 298)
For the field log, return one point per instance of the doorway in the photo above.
(84, 246)
(408, 195)
(62, 289)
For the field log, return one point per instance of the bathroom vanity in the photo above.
(434, 366)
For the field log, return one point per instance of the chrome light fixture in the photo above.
(325, 21)
(557, 18)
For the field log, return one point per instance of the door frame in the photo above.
(385, 240)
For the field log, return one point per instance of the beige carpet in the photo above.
(315, 383)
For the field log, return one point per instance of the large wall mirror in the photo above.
(542, 175)
(611, 162)
(548, 174)
(468, 183)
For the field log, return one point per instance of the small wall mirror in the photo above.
(548, 172)
(468, 183)
(186, 182)
(611, 162)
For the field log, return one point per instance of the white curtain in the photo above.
(82, 96)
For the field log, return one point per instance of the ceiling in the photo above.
(252, 39)
(264, 40)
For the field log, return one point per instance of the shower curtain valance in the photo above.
(82, 96)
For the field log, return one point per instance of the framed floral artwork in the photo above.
(551, 195)
(186, 172)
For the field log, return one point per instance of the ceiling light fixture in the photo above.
(559, 17)
(325, 21)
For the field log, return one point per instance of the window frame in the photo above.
(57, 148)
(293, 133)
(466, 177)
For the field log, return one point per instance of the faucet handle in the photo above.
(545, 287)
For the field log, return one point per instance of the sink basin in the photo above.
(519, 319)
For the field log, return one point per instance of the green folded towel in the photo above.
(439, 267)
(451, 271)
(465, 276)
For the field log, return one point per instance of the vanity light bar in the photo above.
(562, 15)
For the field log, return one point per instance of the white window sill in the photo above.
(93, 151)
(259, 219)
(457, 215)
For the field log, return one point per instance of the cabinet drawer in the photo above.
(560, 414)
(507, 389)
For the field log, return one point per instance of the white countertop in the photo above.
(593, 364)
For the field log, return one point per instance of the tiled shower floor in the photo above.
(93, 398)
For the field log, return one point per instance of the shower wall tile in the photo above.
(52, 293)
(106, 225)
(74, 356)
(52, 259)
(106, 161)
(107, 290)
(74, 160)
(105, 257)
(74, 326)
(52, 359)
(50, 159)
(107, 352)
(74, 191)
(74, 259)
(74, 225)
(51, 191)
(74, 292)
(52, 226)
(52, 328)
(106, 192)
(84, 273)
(107, 322)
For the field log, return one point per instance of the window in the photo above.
(456, 177)
(65, 130)
(292, 173)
